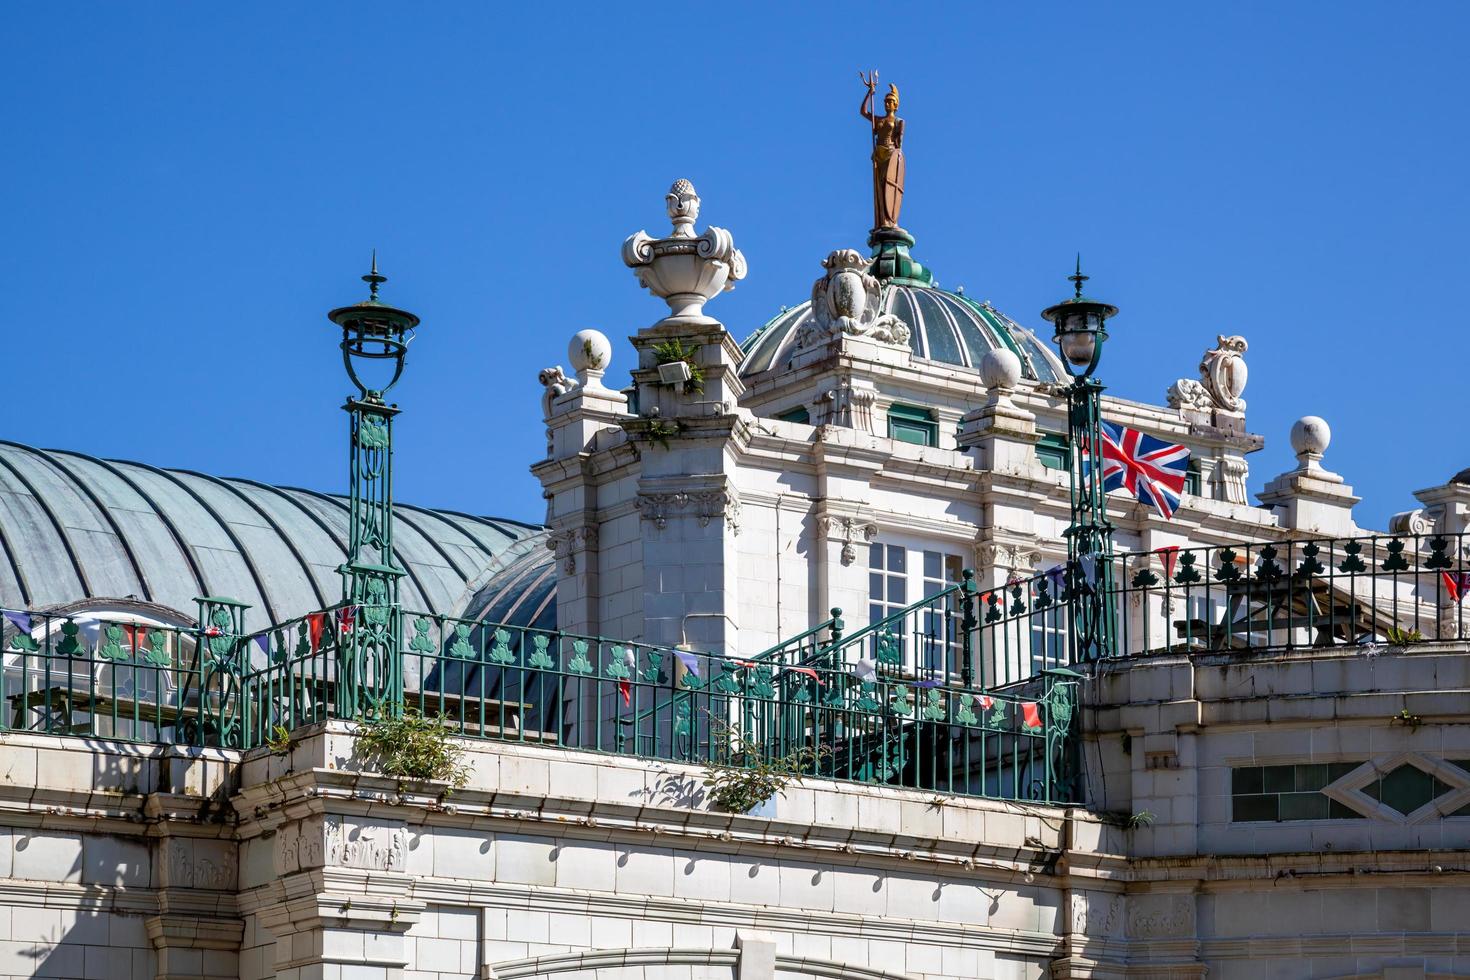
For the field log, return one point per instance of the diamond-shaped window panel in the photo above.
(1406, 789)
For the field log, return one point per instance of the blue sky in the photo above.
(189, 187)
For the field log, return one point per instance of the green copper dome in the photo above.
(944, 326)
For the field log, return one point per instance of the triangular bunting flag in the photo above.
(689, 660)
(316, 625)
(626, 690)
(1031, 714)
(1457, 584)
(808, 671)
(1170, 555)
(20, 620)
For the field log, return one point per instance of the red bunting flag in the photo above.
(212, 631)
(1031, 714)
(344, 619)
(808, 671)
(626, 690)
(1457, 584)
(986, 702)
(743, 663)
(316, 624)
(1170, 556)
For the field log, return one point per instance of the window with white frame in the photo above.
(901, 574)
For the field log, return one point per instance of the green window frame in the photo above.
(912, 424)
(1055, 451)
(797, 414)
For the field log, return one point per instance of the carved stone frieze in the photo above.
(201, 864)
(367, 845)
(703, 505)
(298, 847)
(1097, 916)
(1160, 916)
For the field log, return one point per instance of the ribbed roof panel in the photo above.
(75, 528)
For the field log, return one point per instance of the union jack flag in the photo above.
(1147, 468)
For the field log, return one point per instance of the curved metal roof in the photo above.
(523, 593)
(943, 326)
(75, 527)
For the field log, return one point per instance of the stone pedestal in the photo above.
(1309, 499)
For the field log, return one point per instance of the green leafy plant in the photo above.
(660, 431)
(672, 350)
(414, 747)
(278, 740)
(1143, 818)
(749, 778)
(1406, 719)
(1398, 636)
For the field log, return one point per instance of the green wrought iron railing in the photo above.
(137, 681)
(1368, 592)
(216, 684)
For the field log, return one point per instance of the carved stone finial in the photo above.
(683, 206)
(684, 269)
(848, 300)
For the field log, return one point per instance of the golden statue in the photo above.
(887, 153)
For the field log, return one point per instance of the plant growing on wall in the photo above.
(672, 350)
(749, 777)
(414, 747)
(660, 431)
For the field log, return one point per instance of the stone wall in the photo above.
(135, 862)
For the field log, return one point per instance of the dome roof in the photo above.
(75, 528)
(943, 326)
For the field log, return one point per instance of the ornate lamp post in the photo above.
(1080, 334)
(375, 338)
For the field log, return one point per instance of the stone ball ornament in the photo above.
(1310, 436)
(1000, 369)
(590, 353)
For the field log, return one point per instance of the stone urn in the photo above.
(686, 270)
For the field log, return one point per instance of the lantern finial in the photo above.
(373, 279)
(1078, 278)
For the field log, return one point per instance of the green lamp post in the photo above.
(375, 338)
(1080, 333)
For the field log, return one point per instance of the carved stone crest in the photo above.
(849, 300)
(1222, 378)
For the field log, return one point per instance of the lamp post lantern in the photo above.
(1080, 334)
(375, 338)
